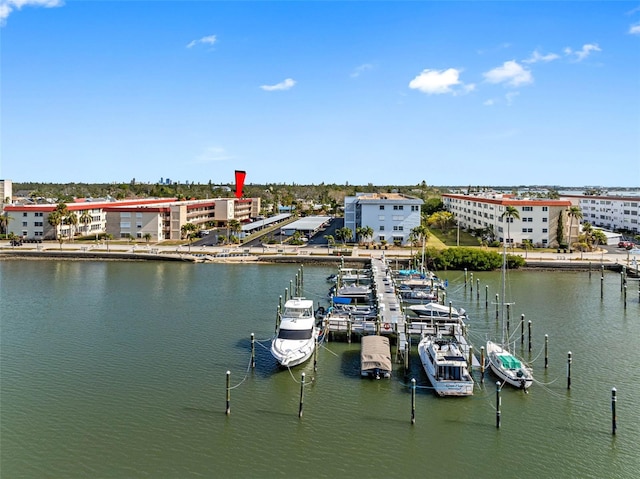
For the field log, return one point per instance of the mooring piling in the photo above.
(546, 351)
(253, 351)
(413, 401)
(569, 370)
(228, 409)
(614, 419)
(498, 403)
(301, 396)
(481, 363)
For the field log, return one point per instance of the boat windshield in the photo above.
(298, 312)
(295, 334)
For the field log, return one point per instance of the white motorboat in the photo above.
(446, 366)
(437, 310)
(297, 333)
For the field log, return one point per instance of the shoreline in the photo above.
(542, 261)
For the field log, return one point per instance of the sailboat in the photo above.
(502, 362)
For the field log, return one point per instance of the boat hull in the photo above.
(290, 353)
(444, 387)
(519, 377)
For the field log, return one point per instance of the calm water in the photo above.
(116, 369)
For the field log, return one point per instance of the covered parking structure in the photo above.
(250, 228)
(308, 225)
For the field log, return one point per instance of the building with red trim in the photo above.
(161, 218)
(485, 213)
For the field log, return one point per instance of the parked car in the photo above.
(15, 242)
(626, 244)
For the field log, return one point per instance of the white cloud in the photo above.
(635, 29)
(283, 85)
(587, 49)
(489, 102)
(438, 82)
(208, 40)
(536, 57)
(212, 154)
(361, 69)
(510, 73)
(8, 6)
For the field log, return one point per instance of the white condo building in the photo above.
(538, 222)
(610, 212)
(391, 216)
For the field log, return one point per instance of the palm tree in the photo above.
(187, 230)
(147, 237)
(574, 212)
(72, 221)
(55, 220)
(510, 212)
(107, 237)
(367, 231)
(4, 222)
(330, 242)
(234, 226)
(344, 234)
(85, 219)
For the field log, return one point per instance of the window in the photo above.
(527, 208)
(527, 230)
(138, 225)
(25, 224)
(381, 218)
(24, 215)
(544, 220)
(545, 230)
(38, 223)
(125, 215)
(381, 207)
(125, 224)
(545, 208)
(381, 237)
(381, 227)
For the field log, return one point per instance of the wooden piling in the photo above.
(301, 396)
(614, 418)
(465, 277)
(497, 305)
(481, 363)
(228, 410)
(478, 289)
(253, 351)
(498, 403)
(470, 357)
(624, 296)
(472, 283)
(569, 370)
(413, 401)
(589, 269)
(529, 334)
(315, 357)
(486, 297)
(601, 287)
(546, 351)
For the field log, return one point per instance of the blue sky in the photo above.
(450, 93)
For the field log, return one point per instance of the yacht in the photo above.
(297, 333)
(446, 366)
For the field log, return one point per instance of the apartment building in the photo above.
(613, 213)
(160, 218)
(538, 222)
(391, 216)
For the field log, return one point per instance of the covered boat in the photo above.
(375, 357)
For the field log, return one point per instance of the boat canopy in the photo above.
(375, 353)
(510, 362)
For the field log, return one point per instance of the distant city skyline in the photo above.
(383, 93)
